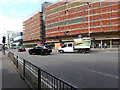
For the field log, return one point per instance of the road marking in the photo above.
(106, 74)
(69, 54)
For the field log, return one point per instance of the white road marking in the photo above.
(105, 74)
(69, 54)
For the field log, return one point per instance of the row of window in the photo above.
(31, 38)
(79, 15)
(67, 22)
(93, 5)
(29, 21)
(93, 11)
(32, 31)
(33, 28)
(103, 29)
(80, 8)
(82, 20)
(83, 27)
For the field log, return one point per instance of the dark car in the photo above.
(40, 50)
(21, 48)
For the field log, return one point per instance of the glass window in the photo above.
(64, 45)
(39, 46)
(70, 45)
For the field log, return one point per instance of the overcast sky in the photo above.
(14, 12)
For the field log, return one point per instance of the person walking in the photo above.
(105, 45)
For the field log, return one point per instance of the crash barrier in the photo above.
(36, 77)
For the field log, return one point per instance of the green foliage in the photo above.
(20, 44)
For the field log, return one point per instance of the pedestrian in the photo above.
(105, 45)
(99, 45)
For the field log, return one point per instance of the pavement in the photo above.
(10, 76)
(100, 49)
(0, 70)
(104, 50)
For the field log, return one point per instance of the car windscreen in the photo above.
(40, 47)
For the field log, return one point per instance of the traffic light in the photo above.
(4, 39)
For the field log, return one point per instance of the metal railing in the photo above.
(36, 77)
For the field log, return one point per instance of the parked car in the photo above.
(21, 48)
(40, 50)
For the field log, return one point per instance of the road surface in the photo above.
(90, 70)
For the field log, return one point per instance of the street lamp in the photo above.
(88, 18)
(89, 22)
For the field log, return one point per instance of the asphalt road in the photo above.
(91, 70)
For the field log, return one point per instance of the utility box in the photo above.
(57, 45)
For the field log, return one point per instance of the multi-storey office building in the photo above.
(32, 33)
(99, 20)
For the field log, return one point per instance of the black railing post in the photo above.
(39, 79)
(13, 58)
(23, 68)
(17, 62)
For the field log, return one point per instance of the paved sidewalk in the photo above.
(10, 76)
(100, 49)
(104, 50)
(0, 70)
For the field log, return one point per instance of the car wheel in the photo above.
(30, 53)
(39, 53)
(61, 51)
(48, 53)
(83, 51)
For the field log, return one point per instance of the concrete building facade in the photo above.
(13, 38)
(98, 20)
(44, 5)
(32, 33)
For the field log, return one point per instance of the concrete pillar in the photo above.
(101, 44)
(93, 45)
(110, 43)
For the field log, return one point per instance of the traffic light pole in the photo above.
(4, 49)
(3, 46)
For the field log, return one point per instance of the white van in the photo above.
(78, 45)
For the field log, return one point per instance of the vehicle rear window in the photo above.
(40, 46)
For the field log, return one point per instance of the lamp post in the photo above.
(89, 23)
(88, 19)
(101, 24)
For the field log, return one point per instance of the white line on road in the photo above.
(70, 54)
(105, 74)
